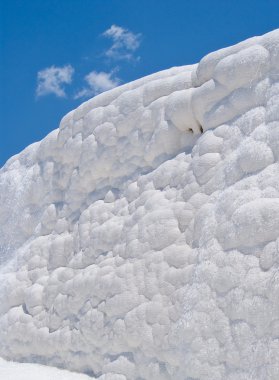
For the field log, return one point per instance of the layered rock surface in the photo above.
(140, 240)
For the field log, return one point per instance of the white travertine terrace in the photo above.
(27, 371)
(140, 240)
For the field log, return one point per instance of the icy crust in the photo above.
(140, 239)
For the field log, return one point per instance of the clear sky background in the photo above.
(55, 54)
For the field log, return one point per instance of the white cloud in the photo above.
(98, 82)
(52, 79)
(125, 43)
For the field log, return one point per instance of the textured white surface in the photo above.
(133, 244)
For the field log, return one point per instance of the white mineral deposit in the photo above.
(139, 241)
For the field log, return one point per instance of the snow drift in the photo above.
(140, 241)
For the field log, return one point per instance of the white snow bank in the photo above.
(140, 239)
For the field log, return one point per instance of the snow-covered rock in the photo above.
(140, 240)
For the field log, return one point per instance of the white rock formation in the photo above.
(25, 371)
(139, 241)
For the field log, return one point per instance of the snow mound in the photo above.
(140, 240)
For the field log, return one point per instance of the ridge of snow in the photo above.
(140, 240)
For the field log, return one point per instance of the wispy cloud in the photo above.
(98, 82)
(125, 43)
(52, 80)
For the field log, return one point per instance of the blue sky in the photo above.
(54, 54)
